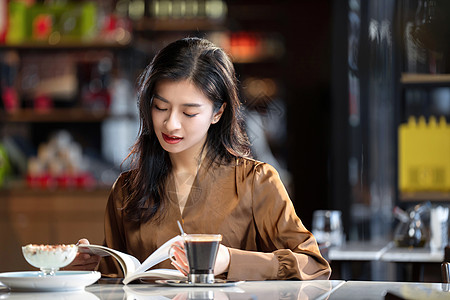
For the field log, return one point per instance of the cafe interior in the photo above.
(348, 99)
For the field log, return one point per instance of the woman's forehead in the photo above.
(180, 92)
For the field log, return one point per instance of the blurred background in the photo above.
(348, 99)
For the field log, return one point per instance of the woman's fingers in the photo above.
(179, 269)
(84, 261)
(179, 259)
(180, 256)
(83, 241)
(83, 267)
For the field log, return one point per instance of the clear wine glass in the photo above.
(327, 227)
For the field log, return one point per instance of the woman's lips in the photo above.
(170, 139)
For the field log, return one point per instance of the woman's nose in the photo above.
(172, 122)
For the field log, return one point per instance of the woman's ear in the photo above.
(218, 114)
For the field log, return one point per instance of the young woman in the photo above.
(190, 163)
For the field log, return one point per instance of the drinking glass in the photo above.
(201, 252)
(327, 227)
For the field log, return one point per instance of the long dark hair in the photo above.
(211, 70)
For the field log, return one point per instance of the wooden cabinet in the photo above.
(53, 217)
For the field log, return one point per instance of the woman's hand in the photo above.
(84, 261)
(179, 254)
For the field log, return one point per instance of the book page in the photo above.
(156, 274)
(128, 262)
(131, 266)
(161, 254)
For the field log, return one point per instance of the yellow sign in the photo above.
(424, 155)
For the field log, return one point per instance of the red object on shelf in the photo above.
(245, 46)
(84, 180)
(63, 181)
(42, 27)
(43, 181)
(43, 103)
(10, 99)
(97, 100)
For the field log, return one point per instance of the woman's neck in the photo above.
(186, 163)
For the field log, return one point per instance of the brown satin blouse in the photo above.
(244, 201)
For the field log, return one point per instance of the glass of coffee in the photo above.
(201, 252)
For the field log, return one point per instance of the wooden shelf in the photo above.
(65, 115)
(74, 45)
(424, 196)
(182, 24)
(19, 188)
(24, 191)
(425, 79)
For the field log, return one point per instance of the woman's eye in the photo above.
(159, 108)
(190, 115)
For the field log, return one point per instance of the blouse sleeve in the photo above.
(287, 249)
(113, 227)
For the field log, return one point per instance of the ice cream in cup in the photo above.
(49, 258)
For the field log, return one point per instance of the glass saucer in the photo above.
(183, 283)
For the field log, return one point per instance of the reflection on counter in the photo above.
(257, 290)
(268, 290)
(5, 294)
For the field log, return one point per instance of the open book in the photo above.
(132, 268)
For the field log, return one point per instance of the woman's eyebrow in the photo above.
(160, 98)
(184, 104)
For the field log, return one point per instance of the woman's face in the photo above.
(181, 116)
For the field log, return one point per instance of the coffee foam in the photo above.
(203, 237)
